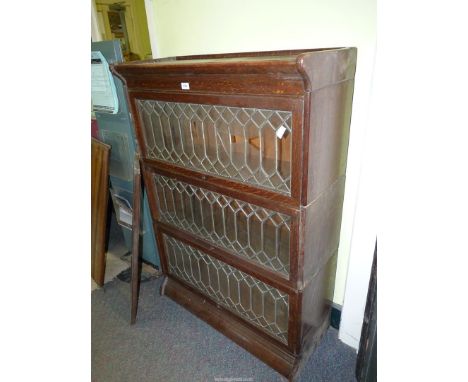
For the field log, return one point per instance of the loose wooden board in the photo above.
(99, 203)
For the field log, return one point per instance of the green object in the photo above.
(117, 131)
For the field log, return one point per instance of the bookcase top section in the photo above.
(316, 67)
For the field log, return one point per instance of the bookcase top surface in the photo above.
(313, 67)
(220, 58)
(230, 62)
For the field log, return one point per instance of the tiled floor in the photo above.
(115, 251)
(114, 265)
(118, 257)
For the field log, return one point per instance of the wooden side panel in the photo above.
(99, 201)
(330, 115)
(321, 223)
(316, 303)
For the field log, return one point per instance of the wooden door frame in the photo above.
(96, 32)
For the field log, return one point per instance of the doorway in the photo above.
(125, 21)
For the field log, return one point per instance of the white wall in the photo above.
(150, 19)
(363, 239)
(217, 26)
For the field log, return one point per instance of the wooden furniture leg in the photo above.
(136, 262)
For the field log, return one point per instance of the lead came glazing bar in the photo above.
(256, 155)
(259, 234)
(231, 288)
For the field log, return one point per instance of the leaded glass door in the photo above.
(253, 145)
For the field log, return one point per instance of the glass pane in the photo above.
(120, 164)
(248, 230)
(244, 295)
(246, 144)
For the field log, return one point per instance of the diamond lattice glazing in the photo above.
(257, 233)
(247, 144)
(245, 296)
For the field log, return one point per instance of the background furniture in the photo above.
(116, 130)
(366, 365)
(99, 202)
(244, 160)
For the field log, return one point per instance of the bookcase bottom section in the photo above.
(260, 345)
